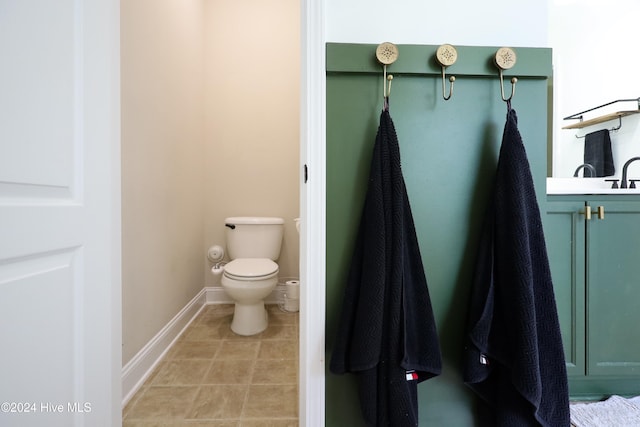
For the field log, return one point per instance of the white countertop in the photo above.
(586, 186)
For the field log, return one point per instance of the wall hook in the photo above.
(446, 55)
(389, 79)
(387, 54)
(505, 59)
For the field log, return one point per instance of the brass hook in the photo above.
(386, 53)
(451, 79)
(386, 90)
(389, 78)
(514, 80)
(446, 55)
(505, 59)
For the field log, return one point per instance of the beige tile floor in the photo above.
(215, 378)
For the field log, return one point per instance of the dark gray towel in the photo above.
(597, 152)
(387, 334)
(514, 358)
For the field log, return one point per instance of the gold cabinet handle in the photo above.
(587, 213)
(600, 212)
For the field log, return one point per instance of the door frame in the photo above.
(313, 215)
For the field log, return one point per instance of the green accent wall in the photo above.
(449, 152)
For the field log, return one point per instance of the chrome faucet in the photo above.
(623, 184)
(591, 169)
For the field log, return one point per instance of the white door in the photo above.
(59, 213)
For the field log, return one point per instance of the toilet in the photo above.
(253, 245)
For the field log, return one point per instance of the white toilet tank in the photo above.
(254, 237)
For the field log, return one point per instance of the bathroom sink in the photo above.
(586, 186)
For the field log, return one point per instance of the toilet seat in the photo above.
(250, 269)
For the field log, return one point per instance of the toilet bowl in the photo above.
(248, 281)
(253, 244)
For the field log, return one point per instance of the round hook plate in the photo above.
(505, 58)
(446, 55)
(387, 53)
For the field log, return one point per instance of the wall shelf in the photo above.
(604, 118)
(601, 119)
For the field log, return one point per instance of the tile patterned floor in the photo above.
(212, 377)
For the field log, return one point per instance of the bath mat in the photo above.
(613, 412)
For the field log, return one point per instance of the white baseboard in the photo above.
(138, 369)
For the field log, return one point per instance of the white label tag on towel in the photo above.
(411, 375)
(484, 360)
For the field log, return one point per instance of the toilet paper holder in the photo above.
(215, 253)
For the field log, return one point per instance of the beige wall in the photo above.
(252, 68)
(162, 167)
(210, 107)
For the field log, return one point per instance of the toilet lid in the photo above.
(250, 268)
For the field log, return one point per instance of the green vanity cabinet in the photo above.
(595, 265)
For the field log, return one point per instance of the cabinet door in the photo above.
(565, 237)
(613, 290)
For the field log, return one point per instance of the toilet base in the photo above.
(249, 318)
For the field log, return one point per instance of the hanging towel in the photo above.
(597, 152)
(514, 358)
(386, 334)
